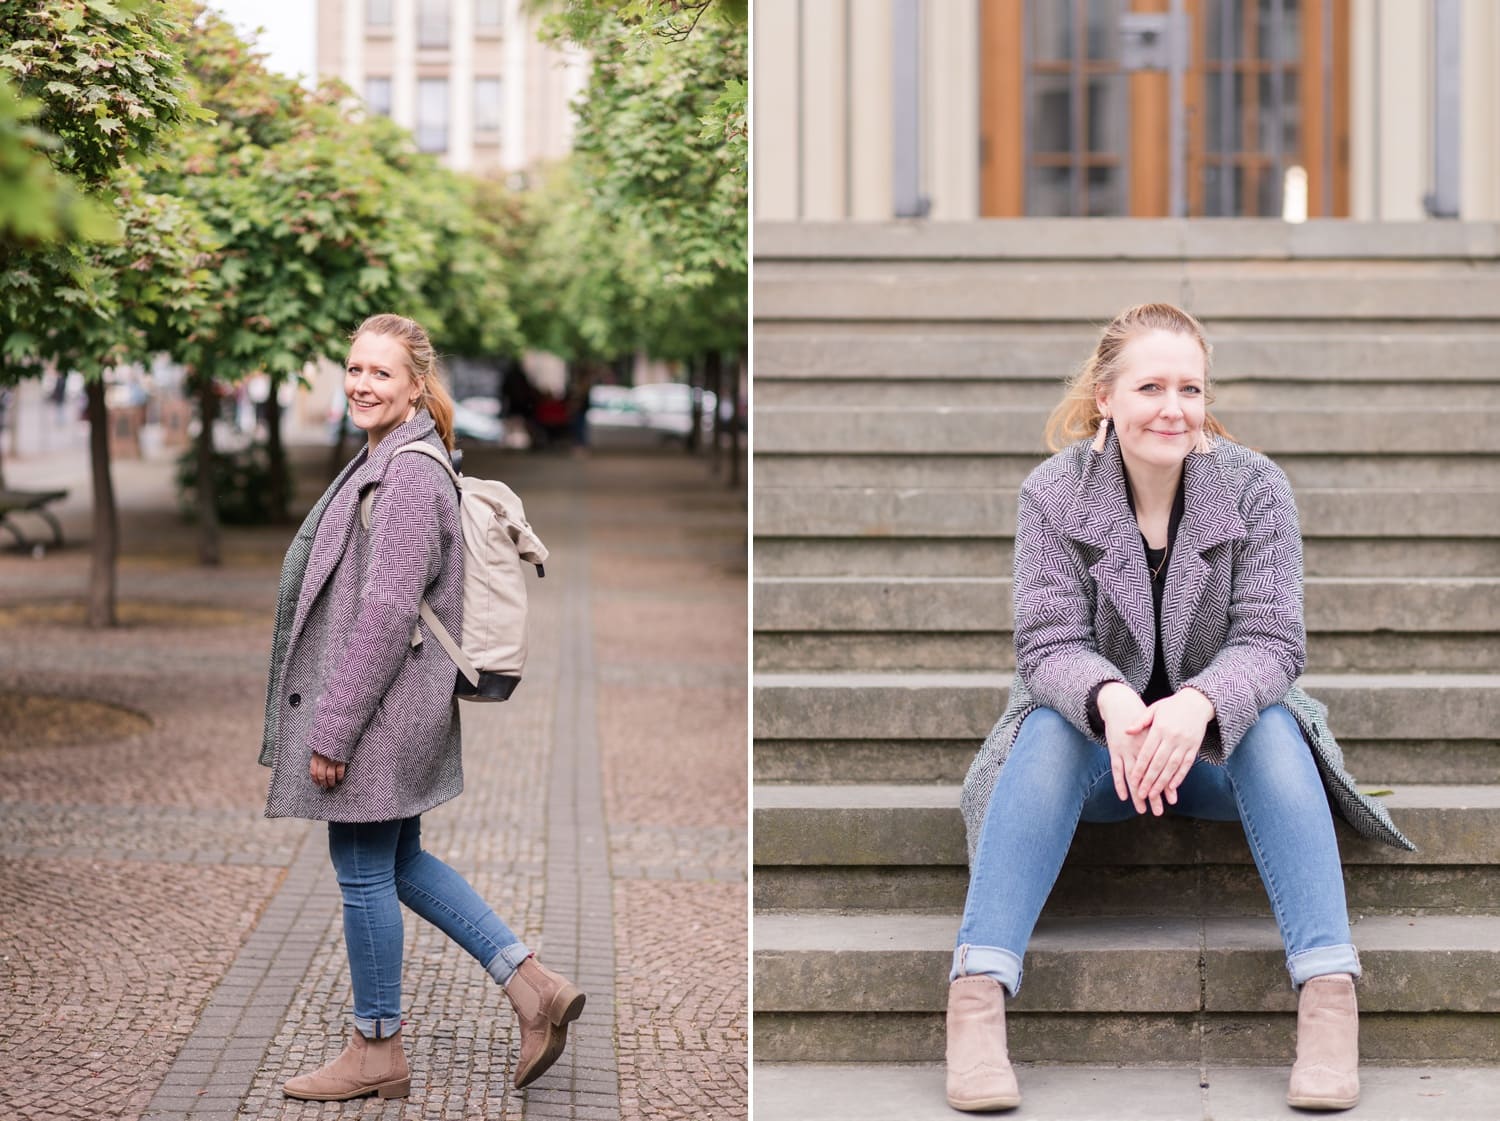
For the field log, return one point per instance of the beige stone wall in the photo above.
(538, 82)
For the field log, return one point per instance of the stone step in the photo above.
(1042, 291)
(889, 847)
(964, 706)
(1031, 393)
(978, 604)
(872, 987)
(1408, 514)
(1064, 1091)
(982, 472)
(1249, 240)
(958, 429)
(808, 554)
(964, 623)
(994, 349)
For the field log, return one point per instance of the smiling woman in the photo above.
(1159, 634)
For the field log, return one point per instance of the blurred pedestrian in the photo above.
(362, 727)
(1159, 635)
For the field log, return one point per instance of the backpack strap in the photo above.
(428, 615)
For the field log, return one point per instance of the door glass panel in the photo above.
(1052, 113)
(1287, 47)
(1102, 33)
(1215, 178)
(1106, 191)
(1049, 192)
(1268, 118)
(1223, 29)
(1107, 113)
(1051, 31)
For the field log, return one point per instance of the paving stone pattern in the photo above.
(166, 952)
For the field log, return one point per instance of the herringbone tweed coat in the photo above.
(1232, 624)
(345, 680)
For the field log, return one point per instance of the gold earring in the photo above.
(1103, 433)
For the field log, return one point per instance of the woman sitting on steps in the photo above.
(1159, 634)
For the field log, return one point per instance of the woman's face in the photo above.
(1157, 402)
(379, 384)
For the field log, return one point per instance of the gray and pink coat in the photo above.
(1232, 623)
(345, 680)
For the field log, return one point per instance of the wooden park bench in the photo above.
(30, 502)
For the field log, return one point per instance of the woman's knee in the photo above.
(1049, 749)
(1275, 750)
(363, 856)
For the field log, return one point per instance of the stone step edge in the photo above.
(879, 1091)
(989, 681)
(806, 962)
(888, 841)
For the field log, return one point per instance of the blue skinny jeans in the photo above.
(381, 865)
(1056, 776)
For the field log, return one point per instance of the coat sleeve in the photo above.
(405, 551)
(1057, 650)
(1266, 647)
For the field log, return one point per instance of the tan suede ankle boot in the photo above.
(367, 1066)
(545, 1003)
(980, 1076)
(1326, 1075)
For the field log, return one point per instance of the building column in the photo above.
(352, 70)
(518, 30)
(404, 72)
(461, 85)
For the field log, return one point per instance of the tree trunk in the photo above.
(280, 486)
(734, 420)
(336, 458)
(713, 378)
(208, 500)
(693, 441)
(105, 547)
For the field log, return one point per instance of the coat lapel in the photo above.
(1210, 518)
(1103, 521)
(342, 514)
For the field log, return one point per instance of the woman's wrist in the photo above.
(1197, 694)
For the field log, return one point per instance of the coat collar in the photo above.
(1102, 519)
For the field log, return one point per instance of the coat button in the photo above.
(294, 700)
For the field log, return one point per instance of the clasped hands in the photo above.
(1152, 747)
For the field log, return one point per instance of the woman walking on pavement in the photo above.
(362, 726)
(1159, 633)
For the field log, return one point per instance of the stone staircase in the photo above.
(903, 373)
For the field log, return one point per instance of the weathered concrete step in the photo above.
(901, 847)
(964, 706)
(816, 962)
(1104, 239)
(987, 472)
(872, 1091)
(1033, 393)
(970, 604)
(1096, 290)
(949, 429)
(992, 556)
(1323, 351)
(978, 514)
(987, 651)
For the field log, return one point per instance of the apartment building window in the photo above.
(489, 15)
(486, 104)
(378, 95)
(432, 114)
(432, 23)
(378, 13)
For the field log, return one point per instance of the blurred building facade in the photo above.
(958, 109)
(468, 77)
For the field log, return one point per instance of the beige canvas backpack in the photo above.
(498, 544)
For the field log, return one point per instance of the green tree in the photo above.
(109, 90)
(39, 205)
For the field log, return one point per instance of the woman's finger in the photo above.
(1117, 766)
(1142, 722)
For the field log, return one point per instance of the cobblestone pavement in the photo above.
(166, 952)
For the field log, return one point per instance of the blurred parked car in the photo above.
(645, 414)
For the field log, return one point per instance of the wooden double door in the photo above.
(1067, 131)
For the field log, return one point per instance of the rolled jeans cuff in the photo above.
(1321, 961)
(987, 961)
(381, 1028)
(507, 961)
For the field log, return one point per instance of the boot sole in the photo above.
(400, 1088)
(984, 1105)
(1322, 1103)
(567, 1006)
